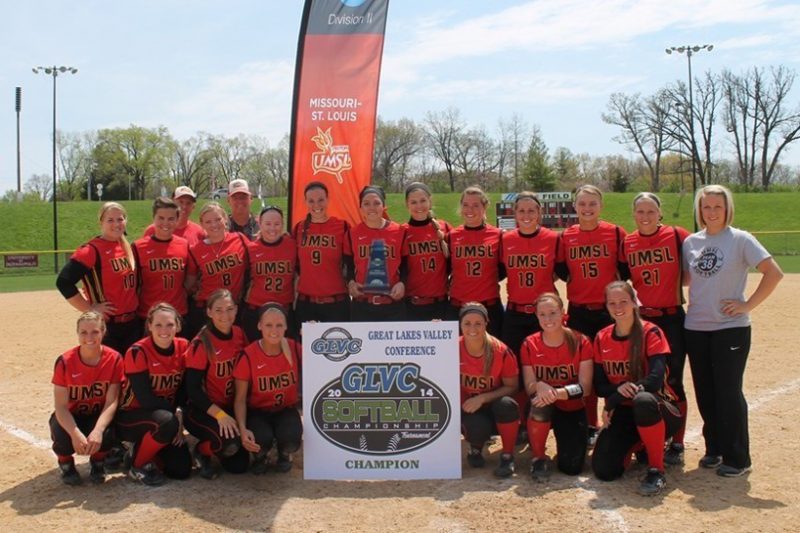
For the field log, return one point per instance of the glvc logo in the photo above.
(336, 344)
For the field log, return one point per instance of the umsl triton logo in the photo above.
(331, 159)
(380, 409)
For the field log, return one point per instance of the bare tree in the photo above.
(395, 144)
(41, 185)
(514, 140)
(442, 131)
(191, 163)
(229, 155)
(74, 152)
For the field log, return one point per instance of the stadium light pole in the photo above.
(54, 71)
(690, 50)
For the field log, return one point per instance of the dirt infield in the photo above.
(33, 498)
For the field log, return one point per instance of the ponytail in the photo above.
(490, 343)
(441, 236)
(636, 335)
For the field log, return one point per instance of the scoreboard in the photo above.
(558, 211)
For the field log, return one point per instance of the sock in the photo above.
(677, 438)
(204, 447)
(508, 434)
(98, 457)
(591, 410)
(147, 449)
(62, 459)
(524, 403)
(653, 439)
(537, 437)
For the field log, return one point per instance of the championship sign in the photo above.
(381, 400)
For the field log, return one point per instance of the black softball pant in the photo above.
(672, 326)
(718, 359)
(283, 427)
(427, 312)
(232, 456)
(305, 311)
(121, 335)
(588, 321)
(569, 429)
(62, 443)
(516, 327)
(134, 424)
(615, 443)
(478, 427)
(367, 312)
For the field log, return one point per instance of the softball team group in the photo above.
(209, 318)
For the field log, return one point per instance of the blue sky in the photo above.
(228, 67)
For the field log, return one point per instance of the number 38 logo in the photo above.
(710, 262)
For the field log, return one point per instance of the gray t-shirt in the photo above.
(717, 266)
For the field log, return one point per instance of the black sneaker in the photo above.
(653, 483)
(710, 461)
(115, 458)
(149, 475)
(259, 465)
(732, 471)
(673, 455)
(540, 470)
(69, 474)
(284, 463)
(97, 474)
(475, 458)
(506, 467)
(205, 466)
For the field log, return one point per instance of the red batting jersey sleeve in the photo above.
(87, 386)
(475, 260)
(656, 266)
(219, 266)
(529, 261)
(320, 251)
(427, 264)
(473, 379)
(111, 277)
(162, 271)
(272, 271)
(219, 365)
(273, 380)
(361, 238)
(556, 366)
(165, 371)
(591, 258)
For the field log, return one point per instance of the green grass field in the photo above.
(29, 226)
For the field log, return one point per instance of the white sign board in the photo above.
(381, 400)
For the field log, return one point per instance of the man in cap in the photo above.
(240, 200)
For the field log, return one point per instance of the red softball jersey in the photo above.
(591, 258)
(87, 385)
(529, 260)
(111, 277)
(192, 232)
(162, 271)
(218, 366)
(320, 251)
(272, 270)
(219, 266)
(556, 366)
(165, 371)
(656, 265)
(361, 238)
(427, 264)
(473, 380)
(273, 381)
(475, 261)
(611, 352)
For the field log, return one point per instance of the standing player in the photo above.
(629, 372)
(652, 256)
(489, 378)
(107, 269)
(240, 199)
(209, 387)
(323, 248)
(717, 259)
(162, 259)
(218, 262)
(376, 307)
(590, 257)
(557, 367)
(475, 261)
(273, 265)
(426, 252)
(86, 383)
(267, 392)
(185, 199)
(150, 416)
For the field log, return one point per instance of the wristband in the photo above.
(574, 390)
(220, 414)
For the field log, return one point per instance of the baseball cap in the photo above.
(183, 190)
(237, 186)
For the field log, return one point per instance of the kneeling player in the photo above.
(86, 382)
(268, 391)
